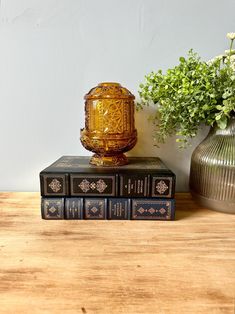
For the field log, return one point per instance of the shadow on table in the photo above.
(186, 207)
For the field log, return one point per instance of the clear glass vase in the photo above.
(212, 172)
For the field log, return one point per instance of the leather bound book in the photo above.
(134, 185)
(107, 208)
(141, 177)
(153, 209)
(95, 208)
(93, 185)
(119, 208)
(73, 208)
(52, 208)
(54, 184)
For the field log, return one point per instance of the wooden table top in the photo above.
(133, 267)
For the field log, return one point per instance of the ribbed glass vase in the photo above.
(212, 172)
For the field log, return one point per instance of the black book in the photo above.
(141, 177)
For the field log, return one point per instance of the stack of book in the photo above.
(71, 188)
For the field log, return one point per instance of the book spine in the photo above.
(153, 209)
(107, 208)
(54, 184)
(163, 186)
(93, 185)
(119, 185)
(119, 208)
(95, 208)
(134, 185)
(52, 208)
(73, 208)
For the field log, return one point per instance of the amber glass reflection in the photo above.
(109, 124)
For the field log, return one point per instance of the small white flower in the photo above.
(232, 65)
(227, 52)
(211, 61)
(231, 36)
(219, 57)
(230, 60)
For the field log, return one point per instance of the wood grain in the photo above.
(139, 267)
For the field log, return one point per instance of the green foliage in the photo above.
(191, 93)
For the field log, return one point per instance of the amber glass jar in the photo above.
(109, 124)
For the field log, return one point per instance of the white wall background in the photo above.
(53, 51)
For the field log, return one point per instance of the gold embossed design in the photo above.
(93, 185)
(52, 209)
(166, 212)
(109, 124)
(152, 210)
(162, 210)
(161, 187)
(101, 185)
(94, 210)
(86, 185)
(55, 185)
(141, 210)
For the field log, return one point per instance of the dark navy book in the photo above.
(153, 209)
(119, 208)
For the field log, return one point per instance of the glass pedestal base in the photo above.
(109, 161)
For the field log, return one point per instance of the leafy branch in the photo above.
(191, 93)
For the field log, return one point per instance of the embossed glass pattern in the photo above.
(212, 173)
(109, 124)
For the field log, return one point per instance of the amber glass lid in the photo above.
(109, 90)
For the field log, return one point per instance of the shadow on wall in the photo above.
(177, 159)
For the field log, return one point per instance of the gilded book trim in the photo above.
(133, 185)
(53, 208)
(119, 208)
(152, 209)
(54, 184)
(162, 187)
(95, 208)
(96, 185)
(73, 208)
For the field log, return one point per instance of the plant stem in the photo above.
(230, 50)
